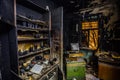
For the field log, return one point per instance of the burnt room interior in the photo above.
(59, 40)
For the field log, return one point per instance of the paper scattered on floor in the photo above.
(91, 77)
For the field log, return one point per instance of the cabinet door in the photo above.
(57, 34)
(7, 11)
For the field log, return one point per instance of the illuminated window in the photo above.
(90, 31)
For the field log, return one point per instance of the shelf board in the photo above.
(31, 5)
(24, 28)
(31, 39)
(115, 39)
(23, 18)
(33, 53)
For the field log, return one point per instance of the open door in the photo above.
(57, 35)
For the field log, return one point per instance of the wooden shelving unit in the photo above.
(33, 33)
(11, 17)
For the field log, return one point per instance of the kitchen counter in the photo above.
(110, 61)
(108, 70)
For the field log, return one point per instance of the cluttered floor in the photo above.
(91, 75)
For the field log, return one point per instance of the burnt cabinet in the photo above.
(7, 11)
(8, 45)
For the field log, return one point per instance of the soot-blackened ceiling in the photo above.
(72, 5)
(75, 5)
